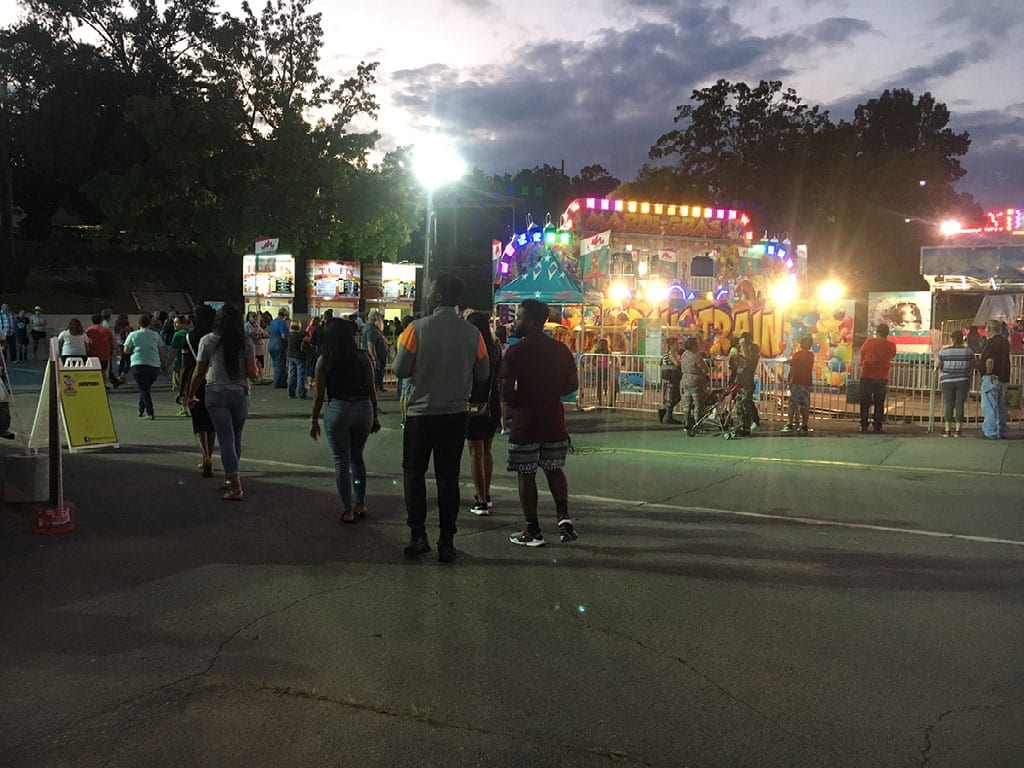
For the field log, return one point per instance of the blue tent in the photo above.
(545, 281)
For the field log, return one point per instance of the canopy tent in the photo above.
(1001, 306)
(545, 281)
(964, 266)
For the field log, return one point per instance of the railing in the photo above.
(633, 383)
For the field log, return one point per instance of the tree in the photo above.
(846, 189)
(746, 147)
(593, 181)
(891, 173)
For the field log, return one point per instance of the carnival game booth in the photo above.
(985, 260)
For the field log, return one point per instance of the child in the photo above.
(801, 369)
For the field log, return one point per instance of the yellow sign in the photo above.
(83, 399)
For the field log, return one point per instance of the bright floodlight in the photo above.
(831, 291)
(657, 292)
(784, 292)
(619, 292)
(436, 163)
(950, 227)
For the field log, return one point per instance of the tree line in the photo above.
(170, 124)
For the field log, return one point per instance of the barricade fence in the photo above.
(633, 383)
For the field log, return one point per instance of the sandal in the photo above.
(234, 492)
(347, 517)
(360, 510)
(207, 469)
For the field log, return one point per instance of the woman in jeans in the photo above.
(955, 365)
(145, 350)
(345, 374)
(226, 362)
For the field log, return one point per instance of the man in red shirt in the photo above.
(101, 344)
(535, 374)
(876, 356)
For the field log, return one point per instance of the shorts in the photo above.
(481, 427)
(799, 396)
(525, 458)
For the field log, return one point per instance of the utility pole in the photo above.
(6, 187)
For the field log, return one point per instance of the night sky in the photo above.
(520, 83)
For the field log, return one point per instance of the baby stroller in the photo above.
(717, 414)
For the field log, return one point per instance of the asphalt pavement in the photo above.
(835, 600)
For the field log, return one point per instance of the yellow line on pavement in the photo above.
(823, 463)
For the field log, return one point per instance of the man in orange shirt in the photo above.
(101, 345)
(876, 356)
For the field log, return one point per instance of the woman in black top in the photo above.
(344, 374)
(202, 426)
(484, 418)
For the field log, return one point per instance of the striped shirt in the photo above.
(957, 364)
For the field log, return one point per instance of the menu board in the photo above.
(271, 276)
(330, 280)
(398, 282)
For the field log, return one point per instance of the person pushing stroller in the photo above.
(694, 377)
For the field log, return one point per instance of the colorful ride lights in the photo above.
(658, 209)
(777, 248)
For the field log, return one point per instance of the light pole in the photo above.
(435, 164)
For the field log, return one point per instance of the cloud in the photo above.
(986, 20)
(836, 30)
(606, 99)
(922, 76)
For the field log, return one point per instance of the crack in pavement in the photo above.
(931, 727)
(685, 492)
(424, 716)
(192, 677)
(702, 675)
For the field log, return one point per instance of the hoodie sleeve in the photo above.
(405, 355)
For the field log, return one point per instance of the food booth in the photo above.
(268, 282)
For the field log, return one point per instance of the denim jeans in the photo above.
(145, 376)
(873, 391)
(297, 376)
(954, 393)
(443, 436)
(347, 426)
(228, 407)
(993, 406)
(279, 356)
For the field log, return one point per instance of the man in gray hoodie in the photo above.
(441, 354)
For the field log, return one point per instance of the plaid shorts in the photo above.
(799, 396)
(525, 458)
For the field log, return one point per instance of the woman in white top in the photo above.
(74, 344)
(227, 362)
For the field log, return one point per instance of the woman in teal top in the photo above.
(146, 348)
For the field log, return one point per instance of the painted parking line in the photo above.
(812, 521)
(795, 520)
(820, 463)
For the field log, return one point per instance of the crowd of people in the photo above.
(459, 383)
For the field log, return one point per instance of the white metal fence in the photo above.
(633, 383)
